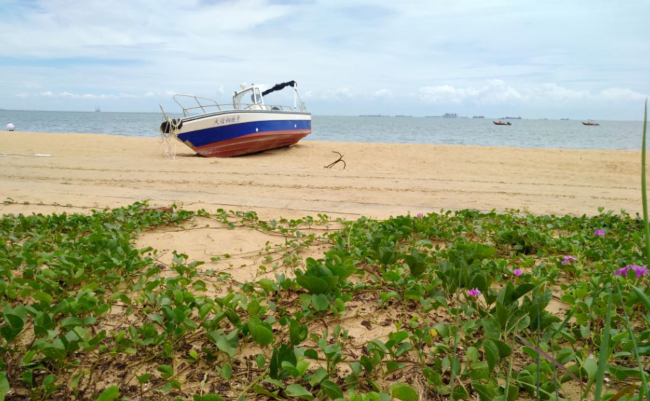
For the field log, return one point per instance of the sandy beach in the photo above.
(379, 180)
(85, 171)
(45, 173)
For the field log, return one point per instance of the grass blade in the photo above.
(604, 348)
(644, 194)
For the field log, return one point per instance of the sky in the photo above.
(535, 59)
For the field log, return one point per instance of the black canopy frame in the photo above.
(279, 87)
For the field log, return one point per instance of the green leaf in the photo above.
(404, 392)
(262, 335)
(472, 354)
(4, 385)
(261, 390)
(260, 360)
(479, 280)
(492, 327)
(166, 371)
(332, 390)
(513, 393)
(590, 366)
(207, 397)
(504, 349)
(296, 390)
(267, 284)
(297, 332)
(43, 297)
(415, 262)
(485, 392)
(491, 353)
(223, 342)
(642, 298)
(109, 394)
(318, 376)
(320, 302)
(226, 371)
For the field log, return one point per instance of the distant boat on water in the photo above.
(501, 122)
(511, 118)
(590, 123)
(401, 115)
(97, 109)
(371, 115)
(478, 117)
(450, 115)
(564, 119)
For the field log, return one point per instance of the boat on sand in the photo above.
(246, 126)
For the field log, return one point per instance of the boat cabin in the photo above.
(250, 98)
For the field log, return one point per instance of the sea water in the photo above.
(616, 135)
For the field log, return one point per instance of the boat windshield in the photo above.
(248, 98)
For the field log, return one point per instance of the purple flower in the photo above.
(517, 272)
(474, 292)
(639, 271)
(420, 215)
(599, 233)
(568, 259)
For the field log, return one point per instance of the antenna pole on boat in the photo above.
(295, 92)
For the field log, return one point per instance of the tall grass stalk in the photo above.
(604, 348)
(644, 193)
(539, 356)
(646, 229)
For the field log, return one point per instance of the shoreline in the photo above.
(107, 170)
(307, 139)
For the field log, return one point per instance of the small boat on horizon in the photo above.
(590, 123)
(240, 128)
(478, 117)
(502, 123)
(450, 115)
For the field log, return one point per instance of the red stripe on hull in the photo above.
(253, 143)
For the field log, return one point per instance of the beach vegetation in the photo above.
(456, 305)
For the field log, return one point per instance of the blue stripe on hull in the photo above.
(217, 134)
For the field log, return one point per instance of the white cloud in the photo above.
(498, 92)
(337, 94)
(383, 94)
(556, 93)
(621, 95)
(494, 91)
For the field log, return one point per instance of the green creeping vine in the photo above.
(449, 305)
